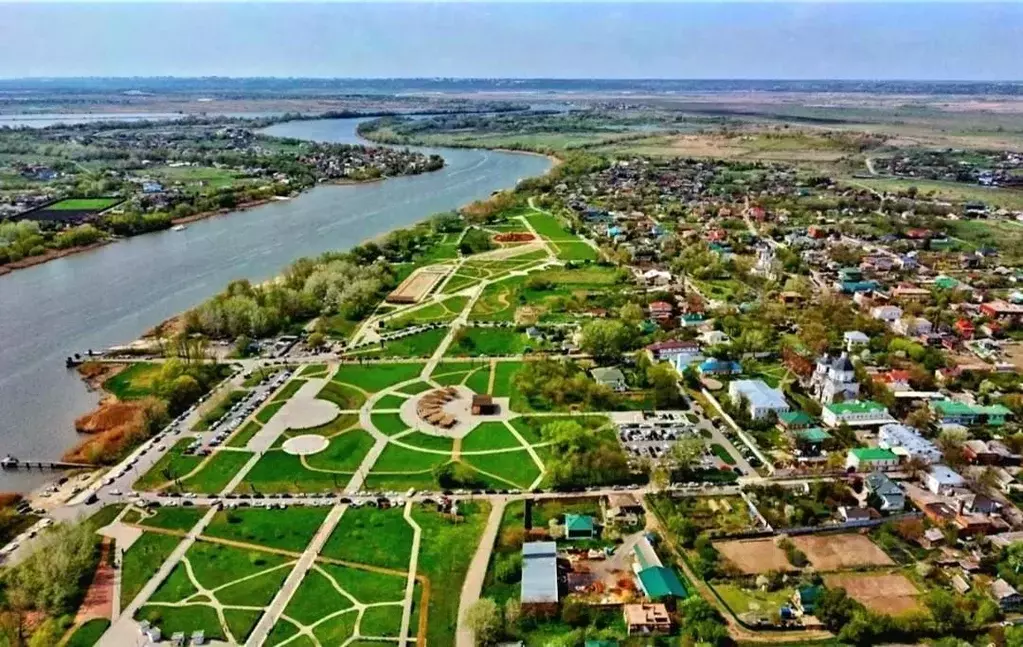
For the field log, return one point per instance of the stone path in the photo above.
(472, 586)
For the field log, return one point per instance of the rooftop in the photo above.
(873, 454)
(759, 394)
(540, 572)
(659, 582)
(856, 406)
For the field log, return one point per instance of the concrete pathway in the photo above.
(472, 587)
(413, 566)
(280, 602)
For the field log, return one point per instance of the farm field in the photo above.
(891, 593)
(838, 552)
(754, 556)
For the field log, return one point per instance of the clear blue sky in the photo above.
(801, 40)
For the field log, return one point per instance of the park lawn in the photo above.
(504, 375)
(345, 396)
(256, 591)
(741, 600)
(366, 586)
(172, 465)
(314, 370)
(381, 621)
(447, 372)
(722, 453)
(215, 565)
(549, 227)
(88, 633)
(499, 300)
(427, 441)
(414, 388)
(388, 423)
(220, 409)
(445, 551)
(142, 560)
(263, 415)
(344, 453)
(368, 535)
(489, 435)
(420, 344)
(217, 472)
(83, 204)
(437, 312)
(134, 382)
(479, 380)
(405, 460)
(289, 529)
(377, 377)
(580, 251)
(186, 619)
(487, 342)
(244, 434)
(518, 467)
(458, 282)
(278, 472)
(389, 401)
(288, 390)
(283, 631)
(401, 482)
(337, 630)
(180, 519)
(338, 425)
(315, 598)
(176, 587)
(241, 622)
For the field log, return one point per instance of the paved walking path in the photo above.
(280, 602)
(413, 567)
(472, 587)
(124, 630)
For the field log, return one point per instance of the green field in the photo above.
(180, 519)
(510, 469)
(438, 312)
(134, 382)
(291, 529)
(88, 633)
(368, 535)
(172, 465)
(489, 435)
(549, 227)
(388, 423)
(344, 453)
(420, 344)
(84, 204)
(377, 377)
(218, 471)
(142, 561)
(487, 342)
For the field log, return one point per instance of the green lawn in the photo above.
(344, 453)
(381, 621)
(517, 467)
(278, 472)
(134, 382)
(487, 342)
(549, 227)
(427, 441)
(216, 565)
(580, 251)
(142, 561)
(420, 344)
(289, 389)
(504, 374)
(370, 535)
(415, 388)
(185, 619)
(445, 552)
(401, 459)
(439, 312)
(489, 435)
(388, 423)
(377, 377)
(172, 465)
(89, 633)
(218, 471)
(314, 370)
(84, 204)
(722, 453)
(181, 519)
(315, 598)
(242, 437)
(390, 401)
(367, 586)
(337, 630)
(344, 396)
(268, 411)
(290, 529)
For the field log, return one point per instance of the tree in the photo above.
(685, 452)
(835, 608)
(631, 314)
(484, 620)
(663, 379)
(316, 340)
(606, 340)
(51, 579)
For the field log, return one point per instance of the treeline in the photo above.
(19, 240)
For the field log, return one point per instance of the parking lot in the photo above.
(653, 436)
(238, 413)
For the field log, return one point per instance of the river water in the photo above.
(112, 295)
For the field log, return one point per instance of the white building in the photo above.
(888, 314)
(856, 413)
(657, 277)
(762, 399)
(834, 380)
(855, 339)
(912, 326)
(907, 441)
(942, 479)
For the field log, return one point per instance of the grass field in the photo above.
(289, 389)
(576, 251)
(344, 453)
(244, 434)
(487, 342)
(134, 382)
(390, 401)
(84, 204)
(180, 519)
(444, 555)
(172, 465)
(512, 469)
(343, 395)
(951, 191)
(401, 459)
(426, 441)
(279, 472)
(371, 536)
(438, 312)
(291, 529)
(549, 227)
(141, 562)
(504, 374)
(489, 435)
(420, 344)
(388, 423)
(217, 472)
(377, 377)
(89, 633)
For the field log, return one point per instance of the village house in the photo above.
(912, 326)
(893, 499)
(610, 377)
(655, 277)
(655, 580)
(942, 480)
(660, 311)
(670, 351)
(1001, 310)
(712, 337)
(579, 526)
(1007, 597)
(896, 380)
(854, 339)
(910, 292)
(954, 412)
(992, 452)
(621, 509)
(805, 599)
(888, 314)
(713, 366)
(647, 619)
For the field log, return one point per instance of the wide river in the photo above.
(112, 295)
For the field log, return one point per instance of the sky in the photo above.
(686, 40)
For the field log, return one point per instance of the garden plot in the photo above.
(754, 556)
(837, 552)
(887, 593)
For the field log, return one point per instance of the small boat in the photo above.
(178, 228)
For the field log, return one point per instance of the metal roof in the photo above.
(540, 572)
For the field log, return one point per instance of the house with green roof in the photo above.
(869, 459)
(805, 599)
(856, 413)
(951, 412)
(579, 526)
(659, 582)
(789, 420)
(811, 440)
